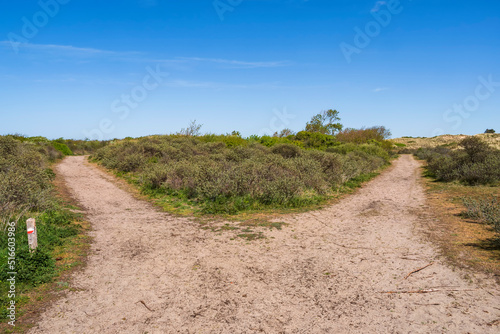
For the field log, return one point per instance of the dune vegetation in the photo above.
(27, 191)
(227, 173)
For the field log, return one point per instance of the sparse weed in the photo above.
(486, 210)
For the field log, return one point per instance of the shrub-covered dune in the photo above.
(227, 173)
(450, 141)
(26, 190)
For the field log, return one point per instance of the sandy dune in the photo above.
(149, 272)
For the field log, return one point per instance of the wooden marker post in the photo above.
(32, 235)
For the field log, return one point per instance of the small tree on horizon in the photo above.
(325, 123)
(489, 131)
(192, 130)
(283, 133)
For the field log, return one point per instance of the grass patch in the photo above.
(251, 236)
(485, 210)
(466, 241)
(464, 193)
(62, 246)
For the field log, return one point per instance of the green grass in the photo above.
(251, 236)
(357, 181)
(26, 191)
(54, 229)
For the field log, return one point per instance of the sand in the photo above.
(326, 272)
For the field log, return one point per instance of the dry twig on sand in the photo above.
(344, 246)
(426, 290)
(417, 270)
(143, 303)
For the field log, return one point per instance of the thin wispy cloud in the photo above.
(379, 89)
(134, 56)
(199, 84)
(68, 50)
(222, 85)
(239, 63)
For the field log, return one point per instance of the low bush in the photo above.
(26, 191)
(363, 135)
(24, 178)
(61, 147)
(82, 147)
(227, 174)
(475, 163)
(316, 140)
(486, 210)
(286, 150)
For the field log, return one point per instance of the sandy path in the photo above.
(149, 272)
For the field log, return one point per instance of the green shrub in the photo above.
(476, 163)
(84, 146)
(26, 191)
(476, 149)
(61, 147)
(24, 180)
(363, 135)
(484, 209)
(331, 166)
(316, 140)
(286, 150)
(227, 174)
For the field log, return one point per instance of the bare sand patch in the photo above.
(328, 271)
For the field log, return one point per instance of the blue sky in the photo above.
(111, 69)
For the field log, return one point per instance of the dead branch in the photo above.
(417, 270)
(435, 304)
(426, 290)
(146, 306)
(344, 246)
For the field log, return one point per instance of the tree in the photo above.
(363, 135)
(283, 133)
(192, 130)
(489, 131)
(325, 123)
(476, 149)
